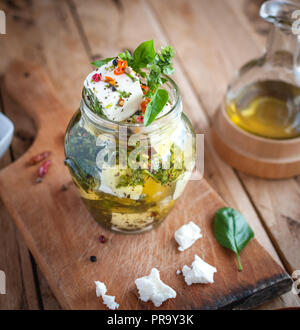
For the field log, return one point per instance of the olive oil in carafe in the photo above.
(269, 109)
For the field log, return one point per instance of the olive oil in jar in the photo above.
(269, 109)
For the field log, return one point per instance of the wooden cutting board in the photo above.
(62, 235)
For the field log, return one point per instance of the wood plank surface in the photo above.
(15, 259)
(221, 49)
(277, 201)
(53, 228)
(221, 176)
(47, 47)
(61, 35)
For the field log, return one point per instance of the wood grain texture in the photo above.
(221, 49)
(277, 201)
(62, 235)
(173, 27)
(15, 260)
(43, 32)
(50, 37)
(219, 175)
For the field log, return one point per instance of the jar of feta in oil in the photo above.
(130, 149)
(130, 175)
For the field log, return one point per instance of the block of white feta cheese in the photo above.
(201, 272)
(109, 184)
(108, 96)
(152, 288)
(109, 301)
(187, 235)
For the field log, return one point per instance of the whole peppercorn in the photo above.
(115, 61)
(93, 258)
(102, 239)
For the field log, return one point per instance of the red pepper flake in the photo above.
(38, 158)
(145, 89)
(110, 80)
(144, 104)
(96, 77)
(121, 102)
(102, 239)
(140, 119)
(120, 69)
(43, 170)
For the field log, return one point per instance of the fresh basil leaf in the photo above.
(232, 231)
(144, 54)
(99, 63)
(157, 103)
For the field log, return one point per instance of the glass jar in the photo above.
(264, 97)
(128, 175)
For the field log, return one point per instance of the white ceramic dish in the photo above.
(6, 133)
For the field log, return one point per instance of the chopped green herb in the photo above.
(124, 94)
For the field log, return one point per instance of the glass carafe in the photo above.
(264, 97)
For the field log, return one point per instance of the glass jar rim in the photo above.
(102, 121)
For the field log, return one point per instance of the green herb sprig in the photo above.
(232, 231)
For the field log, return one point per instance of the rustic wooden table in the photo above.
(212, 38)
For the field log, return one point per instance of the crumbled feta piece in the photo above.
(109, 301)
(187, 235)
(201, 272)
(109, 96)
(100, 288)
(152, 288)
(178, 272)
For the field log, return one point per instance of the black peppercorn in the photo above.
(93, 258)
(115, 62)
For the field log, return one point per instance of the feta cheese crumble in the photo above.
(152, 288)
(201, 272)
(109, 301)
(187, 235)
(178, 272)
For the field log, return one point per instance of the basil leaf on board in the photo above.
(144, 54)
(157, 103)
(232, 231)
(99, 63)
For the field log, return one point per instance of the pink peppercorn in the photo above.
(43, 169)
(96, 77)
(140, 119)
(102, 239)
